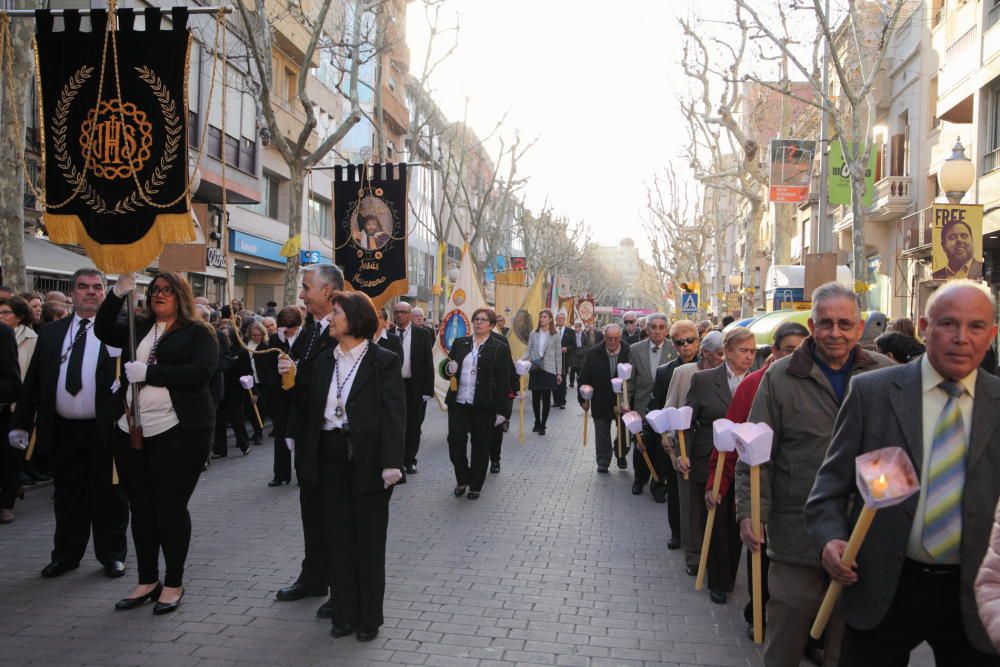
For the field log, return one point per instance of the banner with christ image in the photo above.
(369, 205)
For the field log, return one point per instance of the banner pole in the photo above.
(133, 387)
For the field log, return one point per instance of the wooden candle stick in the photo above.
(31, 447)
(586, 393)
(633, 423)
(684, 451)
(710, 522)
(645, 457)
(885, 478)
(755, 559)
(260, 422)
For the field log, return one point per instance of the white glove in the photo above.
(125, 284)
(391, 475)
(19, 439)
(135, 371)
(246, 381)
(452, 367)
(285, 364)
(115, 386)
(500, 419)
(290, 444)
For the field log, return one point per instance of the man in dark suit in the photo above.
(384, 339)
(513, 388)
(568, 345)
(418, 377)
(916, 570)
(68, 383)
(599, 366)
(319, 282)
(289, 323)
(646, 356)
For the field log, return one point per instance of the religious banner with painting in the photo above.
(113, 101)
(369, 212)
(585, 309)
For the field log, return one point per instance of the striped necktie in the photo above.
(942, 534)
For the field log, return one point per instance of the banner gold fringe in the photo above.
(124, 257)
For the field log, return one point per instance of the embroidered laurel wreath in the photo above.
(172, 127)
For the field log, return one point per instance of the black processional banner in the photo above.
(369, 208)
(114, 106)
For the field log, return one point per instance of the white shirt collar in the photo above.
(351, 355)
(930, 378)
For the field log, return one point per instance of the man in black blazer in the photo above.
(599, 367)
(384, 339)
(418, 377)
(916, 571)
(68, 382)
(568, 344)
(513, 388)
(319, 282)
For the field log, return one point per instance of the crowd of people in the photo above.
(126, 428)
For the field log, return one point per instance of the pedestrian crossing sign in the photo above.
(689, 302)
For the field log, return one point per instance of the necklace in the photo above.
(80, 333)
(151, 359)
(338, 412)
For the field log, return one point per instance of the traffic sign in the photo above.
(689, 302)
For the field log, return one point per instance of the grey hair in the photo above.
(829, 291)
(327, 274)
(204, 311)
(952, 286)
(417, 310)
(608, 327)
(713, 341)
(657, 316)
(627, 313)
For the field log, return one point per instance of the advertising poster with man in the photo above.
(957, 242)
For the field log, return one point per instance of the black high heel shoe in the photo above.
(132, 603)
(161, 608)
(459, 491)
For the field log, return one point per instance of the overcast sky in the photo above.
(593, 81)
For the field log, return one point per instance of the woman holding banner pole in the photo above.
(175, 355)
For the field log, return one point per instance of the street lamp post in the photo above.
(957, 174)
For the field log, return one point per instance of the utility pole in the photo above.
(824, 234)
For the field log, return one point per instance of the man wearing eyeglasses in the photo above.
(69, 380)
(418, 377)
(684, 337)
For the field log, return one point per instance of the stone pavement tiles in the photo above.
(553, 565)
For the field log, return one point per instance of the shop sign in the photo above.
(216, 258)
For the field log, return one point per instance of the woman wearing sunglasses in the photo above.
(479, 368)
(176, 354)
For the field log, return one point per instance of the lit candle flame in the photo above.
(879, 486)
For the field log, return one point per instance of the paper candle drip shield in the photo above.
(633, 422)
(522, 366)
(616, 385)
(625, 371)
(722, 433)
(753, 442)
(586, 392)
(885, 477)
(246, 381)
(670, 419)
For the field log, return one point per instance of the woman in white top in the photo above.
(545, 353)
(159, 463)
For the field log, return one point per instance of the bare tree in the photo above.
(552, 241)
(17, 59)
(348, 34)
(856, 48)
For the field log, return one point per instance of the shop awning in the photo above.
(41, 256)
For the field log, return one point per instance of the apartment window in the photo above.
(268, 205)
(993, 15)
(933, 99)
(319, 217)
(991, 160)
(938, 11)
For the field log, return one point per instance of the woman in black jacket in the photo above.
(230, 409)
(478, 399)
(353, 451)
(176, 354)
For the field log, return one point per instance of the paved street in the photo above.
(553, 565)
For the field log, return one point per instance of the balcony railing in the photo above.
(916, 230)
(991, 161)
(892, 197)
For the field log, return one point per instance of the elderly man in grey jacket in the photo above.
(799, 398)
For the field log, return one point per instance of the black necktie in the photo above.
(402, 343)
(74, 372)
